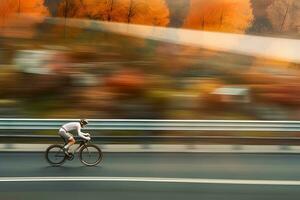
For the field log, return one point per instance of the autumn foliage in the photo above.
(154, 12)
(8, 8)
(127, 81)
(70, 8)
(220, 15)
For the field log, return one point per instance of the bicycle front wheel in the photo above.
(90, 155)
(55, 155)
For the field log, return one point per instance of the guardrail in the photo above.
(154, 125)
(190, 140)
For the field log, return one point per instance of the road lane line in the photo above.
(155, 179)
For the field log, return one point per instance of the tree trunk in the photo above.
(221, 19)
(66, 15)
(129, 15)
(109, 18)
(284, 18)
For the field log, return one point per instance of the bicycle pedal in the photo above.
(70, 156)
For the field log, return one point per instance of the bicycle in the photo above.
(89, 154)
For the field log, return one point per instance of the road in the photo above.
(244, 176)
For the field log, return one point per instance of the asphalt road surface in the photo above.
(146, 176)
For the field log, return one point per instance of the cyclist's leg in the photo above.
(68, 137)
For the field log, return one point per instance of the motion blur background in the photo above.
(50, 70)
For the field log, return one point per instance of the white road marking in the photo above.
(154, 179)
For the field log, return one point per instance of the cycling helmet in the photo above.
(84, 122)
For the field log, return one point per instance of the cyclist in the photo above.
(73, 126)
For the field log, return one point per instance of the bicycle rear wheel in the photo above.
(90, 155)
(55, 155)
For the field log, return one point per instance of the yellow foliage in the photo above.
(220, 15)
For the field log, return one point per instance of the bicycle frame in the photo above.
(81, 143)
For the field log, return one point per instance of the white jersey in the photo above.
(72, 126)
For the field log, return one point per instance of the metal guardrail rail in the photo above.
(9, 124)
(189, 140)
(154, 125)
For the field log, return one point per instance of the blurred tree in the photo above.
(32, 6)
(105, 10)
(10, 7)
(153, 12)
(220, 15)
(6, 9)
(261, 25)
(284, 15)
(178, 10)
(70, 8)
(133, 10)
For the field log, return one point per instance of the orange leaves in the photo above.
(9, 8)
(19, 17)
(146, 12)
(35, 7)
(32, 7)
(70, 8)
(220, 15)
(154, 12)
(106, 10)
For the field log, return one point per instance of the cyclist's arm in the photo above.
(85, 136)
